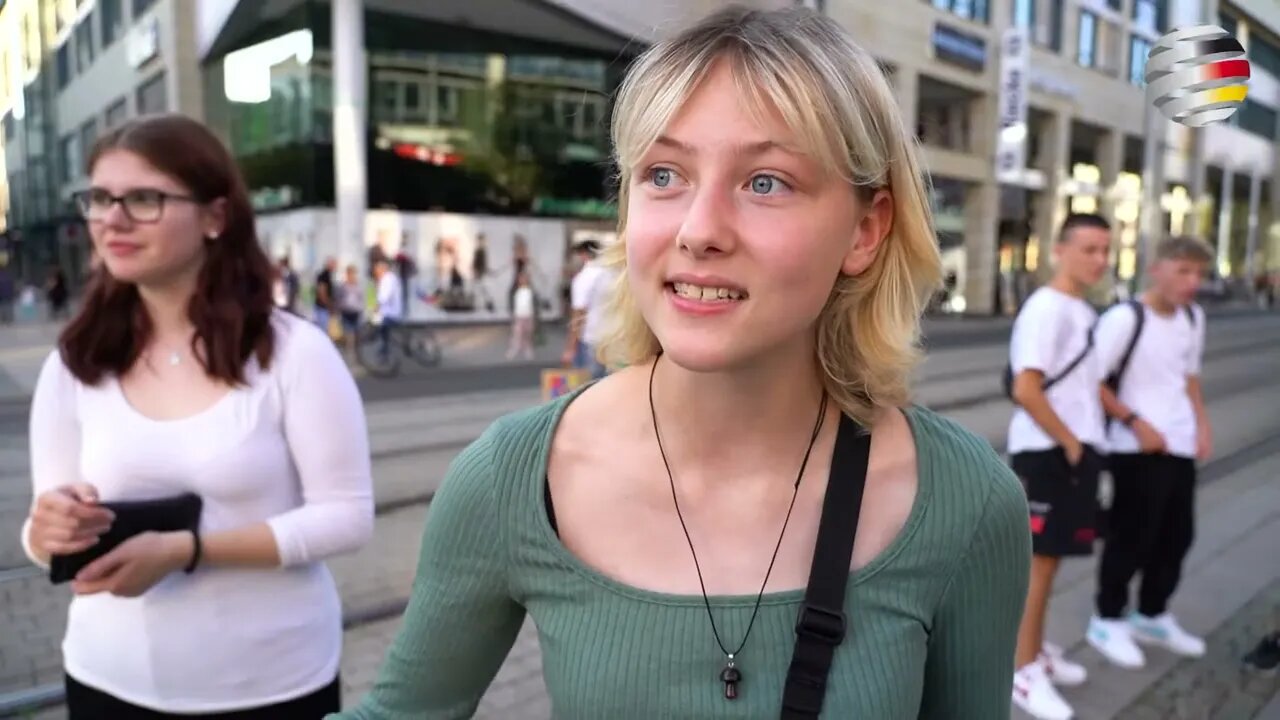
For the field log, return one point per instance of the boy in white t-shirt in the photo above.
(588, 291)
(1056, 440)
(1151, 349)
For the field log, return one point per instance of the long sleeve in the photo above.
(325, 426)
(969, 671)
(54, 435)
(461, 620)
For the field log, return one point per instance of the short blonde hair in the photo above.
(837, 99)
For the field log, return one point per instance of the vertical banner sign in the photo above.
(1011, 143)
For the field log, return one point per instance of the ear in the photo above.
(214, 220)
(872, 229)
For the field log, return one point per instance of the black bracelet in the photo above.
(195, 552)
(1130, 419)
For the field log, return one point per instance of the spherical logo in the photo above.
(1197, 75)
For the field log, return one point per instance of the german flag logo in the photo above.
(1197, 75)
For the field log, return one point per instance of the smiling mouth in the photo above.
(707, 294)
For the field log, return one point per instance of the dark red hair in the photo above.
(231, 308)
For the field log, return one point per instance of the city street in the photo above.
(418, 423)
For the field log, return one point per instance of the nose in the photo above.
(708, 225)
(115, 217)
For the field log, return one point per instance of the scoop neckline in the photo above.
(919, 506)
(133, 411)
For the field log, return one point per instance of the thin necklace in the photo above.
(731, 675)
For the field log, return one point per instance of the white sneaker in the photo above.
(1061, 671)
(1165, 632)
(1035, 695)
(1114, 640)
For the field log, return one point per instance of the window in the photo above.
(140, 7)
(1150, 15)
(1265, 54)
(84, 45)
(70, 158)
(1043, 18)
(977, 10)
(1114, 4)
(944, 115)
(153, 96)
(1138, 49)
(88, 136)
(1256, 118)
(117, 113)
(62, 65)
(1086, 45)
(112, 21)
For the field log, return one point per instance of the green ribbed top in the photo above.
(932, 620)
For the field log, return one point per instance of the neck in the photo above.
(1063, 282)
(746, 418)
(1158, 302)
(166, 305)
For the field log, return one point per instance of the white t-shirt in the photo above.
(588, 292)
(1050, 331)
(289, 449)
(523, 305)
(1154, 385)
(390, 297)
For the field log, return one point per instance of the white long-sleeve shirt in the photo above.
(291, 450)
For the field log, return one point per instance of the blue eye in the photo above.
(764, 184)
(660, 177)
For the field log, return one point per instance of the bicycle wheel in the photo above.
(370, 355)
(424, 347)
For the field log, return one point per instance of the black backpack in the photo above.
(1113, 379)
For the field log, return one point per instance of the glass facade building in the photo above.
(459, 119)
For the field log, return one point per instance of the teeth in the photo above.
(706, 294)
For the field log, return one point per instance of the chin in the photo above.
(701, 354)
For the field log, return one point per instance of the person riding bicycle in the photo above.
(390, 308)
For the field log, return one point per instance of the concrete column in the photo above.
(350, 89)
(981, 254)
(1251, 240)
(981, 216)
(1110, 160)
(1150, 215)
(1224, 218)
(1050, 206)
(906, 85)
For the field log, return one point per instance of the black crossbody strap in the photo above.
(820, 628)
(1140, 318)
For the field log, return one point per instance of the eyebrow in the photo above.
(753, 148)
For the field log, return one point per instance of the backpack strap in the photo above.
(821, 626)
(1113, 380)
(1088, 345)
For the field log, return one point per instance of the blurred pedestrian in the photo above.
(590, 287)
(57, 293)
(658, 526)
(522, 320)
(351, 302)
(8, 293)
(326, 302)
(178, 379)
(1151, 350)
(1056, 442)
(390, 299)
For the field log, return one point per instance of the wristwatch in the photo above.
(1130, 419)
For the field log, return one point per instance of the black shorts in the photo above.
(1063, 500)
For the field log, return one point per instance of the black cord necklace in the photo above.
(731, 675)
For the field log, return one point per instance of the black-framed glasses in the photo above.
(141, 205)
